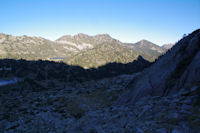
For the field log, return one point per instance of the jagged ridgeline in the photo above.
(82, 50)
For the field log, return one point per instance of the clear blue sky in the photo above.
(159, 21)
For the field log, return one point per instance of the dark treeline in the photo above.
(48, 70)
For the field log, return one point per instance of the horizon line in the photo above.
(90, 35)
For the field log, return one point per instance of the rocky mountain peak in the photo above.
(145, 43)
(105, 37)
(81, 35)
(102, 36)
(85, 42)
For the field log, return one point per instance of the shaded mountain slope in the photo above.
(177, 69)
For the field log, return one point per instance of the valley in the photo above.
(105, 86)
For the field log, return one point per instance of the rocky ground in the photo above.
(175, 114)
(88, 107)
(54, 106)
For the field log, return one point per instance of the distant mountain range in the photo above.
(81, 49)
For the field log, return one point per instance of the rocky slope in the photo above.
(177, 69)
(163, 98)
(175, 114)
(48, 95)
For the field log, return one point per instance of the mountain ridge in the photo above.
(75, 50)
